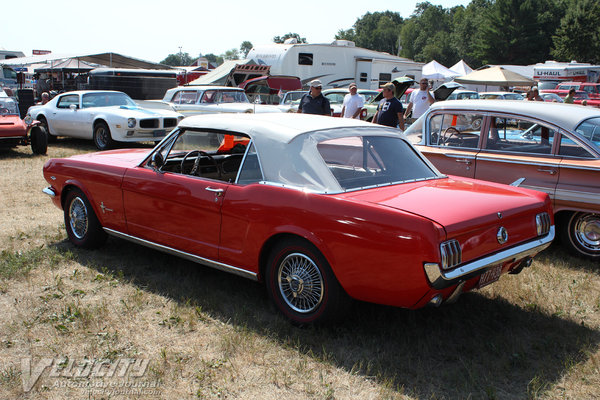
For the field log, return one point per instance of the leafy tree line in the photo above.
(486, 32)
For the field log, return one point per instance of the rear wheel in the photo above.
(301, 284)
(102, 138)
(82, 225)
(580, 232)
(39, 140)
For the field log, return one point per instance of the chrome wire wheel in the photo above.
(586, 230)
(300, 283)
(102, 137)
(78, 218)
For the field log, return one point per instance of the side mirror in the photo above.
(157, 161)
(73, 107)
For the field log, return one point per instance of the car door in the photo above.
(579, 175)
(452, 141)
(185, 102)
(61, 118)
(178, 210)
(519, 149)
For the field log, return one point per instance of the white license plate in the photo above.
(490, 276)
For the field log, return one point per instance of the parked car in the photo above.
(269, 89)
(194, 100)
(552, 97)
(291, 100)
(501, 96)
(15, 131)
(106, 117)
(336, 100)
(317, 208)
(592, 89)
(462, 94)
(551, 147)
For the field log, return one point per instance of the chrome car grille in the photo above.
(150, 123)
(451, 254)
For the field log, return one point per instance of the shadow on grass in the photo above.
(477, 348)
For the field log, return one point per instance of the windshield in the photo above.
(590, 129)
(8, 107)
(106, 99)
(293, 96)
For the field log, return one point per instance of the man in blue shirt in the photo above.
(314, 102)
(389, 111)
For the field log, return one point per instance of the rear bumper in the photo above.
(442, 279)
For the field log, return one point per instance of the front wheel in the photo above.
(102, 138)
(82, 225)
(301, 284)
(580, 232)
(39, 140)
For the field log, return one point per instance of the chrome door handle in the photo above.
(463, 160)
(550, 171)
(217, 191)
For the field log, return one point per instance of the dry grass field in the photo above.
(127, 322)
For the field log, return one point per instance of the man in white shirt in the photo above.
(420, 100)
(353, 103)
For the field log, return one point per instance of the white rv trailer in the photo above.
(336, 64)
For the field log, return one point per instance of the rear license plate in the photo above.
(490, 276)
(159, 132)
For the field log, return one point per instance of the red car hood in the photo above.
(12, 125)
(118, 158)
(458, 204)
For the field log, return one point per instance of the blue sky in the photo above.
(153, 29)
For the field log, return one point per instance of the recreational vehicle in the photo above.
(336, 64)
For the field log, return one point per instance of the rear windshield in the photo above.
(367, 161)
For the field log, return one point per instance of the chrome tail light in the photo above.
(451, 254)
(542, 223)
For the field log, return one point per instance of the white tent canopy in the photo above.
(461, 68)
(435, 70)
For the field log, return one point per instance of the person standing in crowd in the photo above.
(570, 98)
(389, 109)
(420, 100)
(536, 94)
(314, 102)
(45, 98)
(353, 103)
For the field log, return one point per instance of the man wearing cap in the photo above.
(353, 103)
(389, 111)
(314, 102)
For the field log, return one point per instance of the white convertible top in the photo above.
(286, 143)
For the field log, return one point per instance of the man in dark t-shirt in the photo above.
(314, 102)
(389, 111)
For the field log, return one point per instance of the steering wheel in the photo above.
(199, 154)
(448, 133)
(3, 110)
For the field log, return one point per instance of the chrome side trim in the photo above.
(440, 279)
(49, 191)
(550, 163)
(191, 257)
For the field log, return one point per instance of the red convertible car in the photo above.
(319, 209)
(15, 131)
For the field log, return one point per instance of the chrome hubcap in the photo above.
(300, 283)
(587, 231)
(101, 137)
(78, 218)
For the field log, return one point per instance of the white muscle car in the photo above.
(193, 100)
(104, 116)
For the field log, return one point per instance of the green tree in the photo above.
(578, 37)
(517, 32)
(214, 59)
(232, 54)
(245, 47)
(178, 59)
(466, 27)
(281, 39)
(426, 35)
(378, 31)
